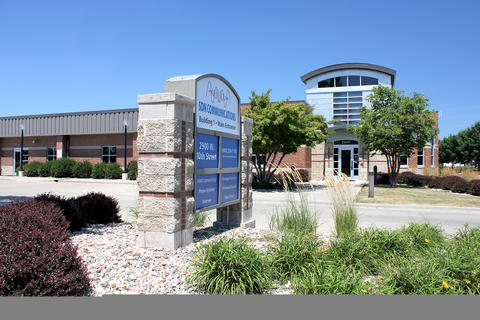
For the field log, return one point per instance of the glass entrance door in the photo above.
(346, 159)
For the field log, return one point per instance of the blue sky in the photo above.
(65, 56)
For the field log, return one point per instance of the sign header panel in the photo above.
(217, 107)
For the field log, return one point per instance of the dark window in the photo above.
(353, 81)
(326, 83)
(369, 81)
(51, 154)
(341, 81)
(420, 158)
(109, 154)
(403, 160)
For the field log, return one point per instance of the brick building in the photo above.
(336, 92)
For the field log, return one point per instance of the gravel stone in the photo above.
(116, 266)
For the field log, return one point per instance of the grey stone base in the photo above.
(7, 171)
(165, 240)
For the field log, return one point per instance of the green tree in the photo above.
(469, 145)
(395, 125)
(279, 128)
(449, 149)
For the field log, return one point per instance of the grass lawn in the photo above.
(418, 196)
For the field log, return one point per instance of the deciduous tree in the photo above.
(395, 125)
(279, 128)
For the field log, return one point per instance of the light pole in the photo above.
(20, 172)
(125, 174)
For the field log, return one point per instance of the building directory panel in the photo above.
(217, 143)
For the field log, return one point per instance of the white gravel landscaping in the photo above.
(117, 266)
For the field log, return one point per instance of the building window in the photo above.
(403, 160)
(346, 107)
(109, 154)
(328, 83)
(335, 161)
(51, 154)
(420, 158)
(347, 81)
(341, 81)
(369, 81)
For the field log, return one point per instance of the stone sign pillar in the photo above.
(240, 214)
(165, 145)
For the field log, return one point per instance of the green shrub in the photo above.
(326, 278)
(422, 275)
(98, 171)
(230, 266)
(365, 251)
(98, 208)
(62, 168)
(45, 169)
(132, 169)
(113, 171)
(295, 217)
(82, 169)
(462, 260)
(32, 169)
(424, 236)
(294, 254)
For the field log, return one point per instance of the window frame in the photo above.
(420, 156)
(109, 155)
(51, 157)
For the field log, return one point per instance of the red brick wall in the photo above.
(82, 147)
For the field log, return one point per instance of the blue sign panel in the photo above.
(206, 151)
(206, 192)
(229, 187)
(229, 153)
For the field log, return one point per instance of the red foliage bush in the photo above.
(412, 179)
(474, 187)
(71, 212)
(37, 257)
(98, 208)
(435, 182)
(461, 187)
(450, 181)
(383, 178)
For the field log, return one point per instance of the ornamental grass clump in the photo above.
(326, 278)
(294, 254)
(230, 266)
(344, 209)
(423, 236)
(368, 249)
(462, 260)
(296, 216)
(200, 219)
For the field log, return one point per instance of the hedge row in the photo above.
(68, 168)
(453, 183)
(92, 208)
(37, 257)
